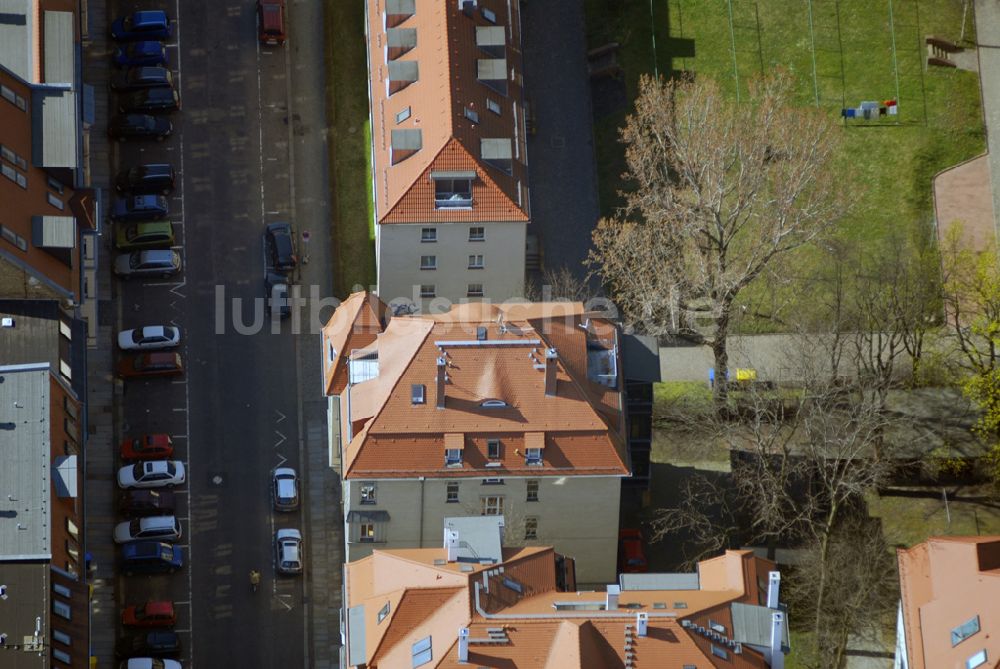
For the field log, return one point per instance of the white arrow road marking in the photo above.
(281, 600)
(283, 416)
(175, 290)
(282, 460)
(283, 438)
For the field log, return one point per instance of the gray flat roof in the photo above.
(59, 47)
(27, 599)
(479, 537)
(658, 581)
(43, 333)
(17, 27)
(54, 127)
(25, 523)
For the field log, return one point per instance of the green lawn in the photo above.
(349, 140)
(908, 520)
(887, 169)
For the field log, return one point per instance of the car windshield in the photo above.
(138, 470)
(134, 526)
(128, 23)
(135, 261)
(171, 469)
(136, 336)
(156, 663)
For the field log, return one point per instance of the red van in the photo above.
(271, 22)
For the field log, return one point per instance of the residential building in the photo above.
(472, 602)
(449, 153)
(949, 608)
(44, 616)
(514, 410)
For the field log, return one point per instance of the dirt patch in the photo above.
(962, 195)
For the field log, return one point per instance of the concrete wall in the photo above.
(576, 515)
(399, 251)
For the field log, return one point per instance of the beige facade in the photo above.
(456, 249)
(416, 510)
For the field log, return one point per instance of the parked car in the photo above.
(631, 552)
(149, 663)
(148, 263)
(144, 235)
(137, 78)
(288, 551)
(154, 644)
(139, 208)
(150, 100)
(271, 22)
(139, 126)
(285, 489)
(151, 557)
(280, 247)
(157, 528)
(151, 364)
(143, 25)
(138, 502)
(147, 447)
(148, 179)
(152, 474)
(139, 54)
(149, 337)
(276, 289)
(151, 613)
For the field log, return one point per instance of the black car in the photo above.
(159, 502)
(276, 289)
(155, 644)
(150, 100)
(280, 248)
(148, 179)
(136, 78)
(139, 126)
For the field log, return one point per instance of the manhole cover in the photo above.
(216, 479)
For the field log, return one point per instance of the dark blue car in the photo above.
(139, 208)
(151, 557)
(139, 54)
(146, 25)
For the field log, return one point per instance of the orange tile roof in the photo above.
(354, 324)
(446, 56)
(944, 582)
(580, 426)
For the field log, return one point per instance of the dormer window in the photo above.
(453, 457)
(492, 40)
(497, 152)
(397, 11)
(533, 456)
(418, 393)
(493, 449)
(492, 72)
(405, 143)
(398, 41)
(453, 189)
(402, 73)
(472, 115)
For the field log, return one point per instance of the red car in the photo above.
(271, 22)
(150, 614)
(631, 552)
(148, 447)
(151, 364)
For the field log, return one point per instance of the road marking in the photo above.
(178, 436)
(176, 383)
(179, 409)
(281, 461)
(283, 416)
(281, 600)
(283, 439)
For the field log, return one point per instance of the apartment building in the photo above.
(449, 152)
(949, 609)
(513, 410)
(472, 602)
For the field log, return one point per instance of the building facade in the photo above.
(449, 151)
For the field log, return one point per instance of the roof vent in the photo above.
(480, 333)
(468, 7)
(7, 322)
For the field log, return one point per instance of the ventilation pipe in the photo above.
(777, 626)
(463, 644)
(611, 602)
(773, 586)
(442, 376)
(551, 356)
(641, 623)
(451, 544)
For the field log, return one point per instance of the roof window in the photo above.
(402, 73)
(418, 393)
(497, 152)
(398, 41)
(405, 143)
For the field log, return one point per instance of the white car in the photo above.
(149, 338)
(288, 551)
(152, 474)
(285, 489)
(158, 528)
(150, 663)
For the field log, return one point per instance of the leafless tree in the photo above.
(559, 284)
(721, 190)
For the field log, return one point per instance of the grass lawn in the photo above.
(887, 168)
(910, 520)
(349, 140)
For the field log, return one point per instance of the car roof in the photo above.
(288, 533)
(161, 356)
(147, 46)
(159, 606)
(284, 471)
(149, 15)
(149, 71)
(158, 255)
(154, 330)
(152, 226)
(154, 168)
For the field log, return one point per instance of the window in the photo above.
(14, 238)
(368, 493)
(422, 652)
(331, 352)
(476, 261)
(366, 533)
(977, 660)
(716, 627)
(492, 506)
(428, 235)
(55, 201)
(530, 528)
(383, 613)
(532, 491)
(532, 456)
(62, 637)
(964, 631)
(73, 530)
(680, 605)
(418, 393)
(22, 181)
(451, 496)
(477, 234)
(489, 15)
(10, 96)
(472, 115)
(55, 185)
(493, 449)
(70, 408)
(453, 193)
(493, 404)
(428, 262)
(452, 456)
(403, 115)
(427, 290)
(475, 290)
(60, 589)
(61, 609)
(720, 652)
(9, 172)
(62, 656)
(493, 106)
(493, 481)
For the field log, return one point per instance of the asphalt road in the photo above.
(233, 415)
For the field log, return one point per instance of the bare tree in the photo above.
(721, 190)
(558, 284)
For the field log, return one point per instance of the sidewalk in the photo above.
(988, 39)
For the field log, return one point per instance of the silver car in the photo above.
(148, 263)
(288, 551)
(149, 338)
(285, 489)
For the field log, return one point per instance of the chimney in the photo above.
(551, 355)
(777, 625)
(611, 602)
(773, 586)
(463, 644)
(451, 543)
(641, 623)
(442, 376)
